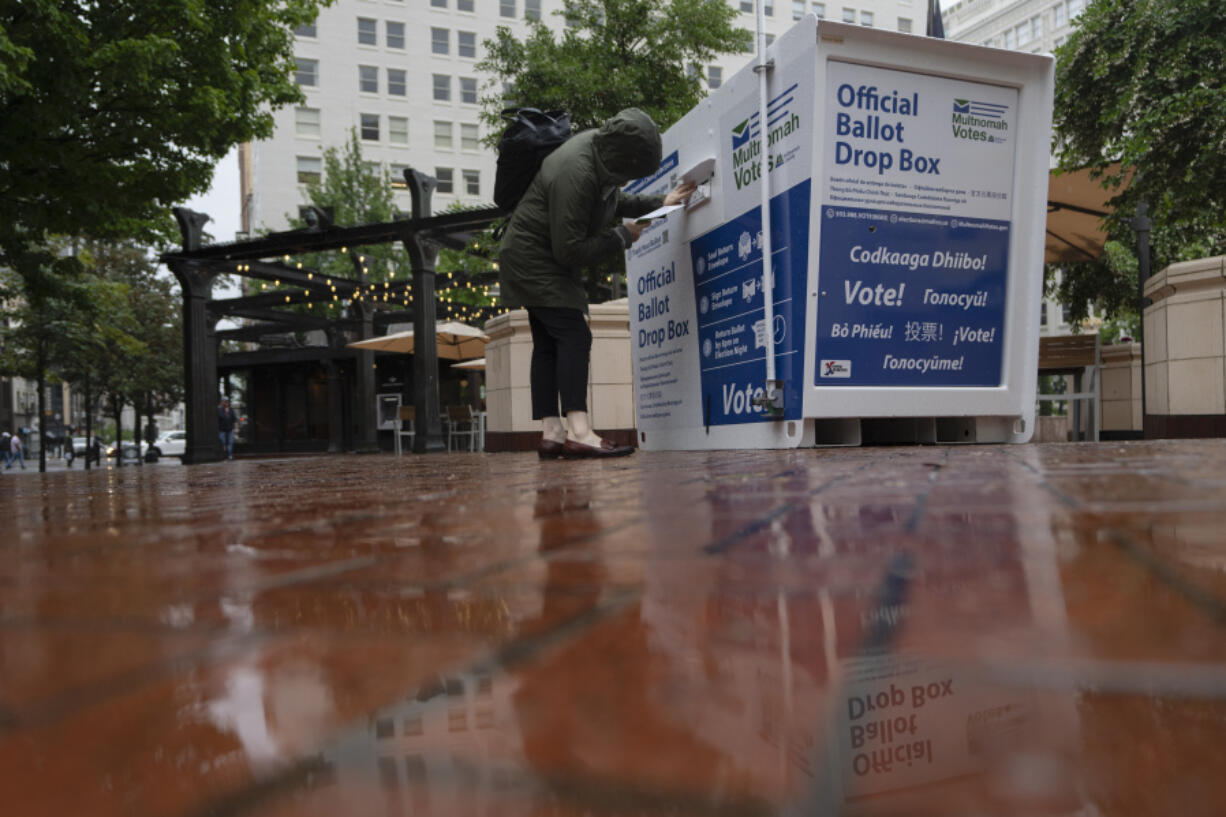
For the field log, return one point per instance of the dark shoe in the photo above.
(575, 450)
(548, 449)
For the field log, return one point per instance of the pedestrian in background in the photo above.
(226, 419)
(16, 453)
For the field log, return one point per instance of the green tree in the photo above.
(1142, 83)
(40, 310)
(141, 344)
(359, 192)
(83, 349)
(113, 111)
(355, 192)
(613, 54)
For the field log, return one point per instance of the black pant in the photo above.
(561, 348)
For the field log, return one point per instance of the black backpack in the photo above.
(530, 136)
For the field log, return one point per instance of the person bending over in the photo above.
(568, 221)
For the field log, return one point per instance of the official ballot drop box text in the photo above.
(908, 181)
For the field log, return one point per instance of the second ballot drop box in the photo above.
(908, 181)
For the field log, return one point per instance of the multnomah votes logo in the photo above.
(781, 123)
(975, 121)
(743, 132)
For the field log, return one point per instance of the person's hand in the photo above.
(635, 229)
(680, 194)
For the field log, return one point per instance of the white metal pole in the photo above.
(768, 278)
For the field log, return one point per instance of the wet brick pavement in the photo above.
(983, 630)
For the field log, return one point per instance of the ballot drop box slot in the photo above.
(908, 181)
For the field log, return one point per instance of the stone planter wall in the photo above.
(508, 397)
(1185, 350)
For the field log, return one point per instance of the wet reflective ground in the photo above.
(1031, 630)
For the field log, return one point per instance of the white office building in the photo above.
(402, 73)
(1036, 26)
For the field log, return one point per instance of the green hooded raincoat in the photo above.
(566, 220)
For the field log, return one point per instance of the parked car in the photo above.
(170, 444)
(128, 449)
(79, 445)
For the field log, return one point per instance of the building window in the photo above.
(440, 41)
(768, 8)
(310, 169)
(1043, 314)
(370, 127)
(1074, 9)
(412, 723)
(506, 8)
(308, 72)
(904, 25)
(387, 774)
(395, 35)
(849, 16)
(464, 5)
(446, 184)
(715, 76)
(397, 82)
(1008, 38)
(485, 718)
(457, 719)
(368, 31)
(1059, 17)
(415, 768)
(398, 130)
(470, 137)
(866, 18)
(368, 79)
(305, 30)
(472, 182)
(466, 43)
(820, 10)
(1036, 26)
(442, 88)
(798, 9)
(442, 135)
(396, 179)
(747, 6)
(468, 90)
(532, 9)
(438, 4)
(306, 121)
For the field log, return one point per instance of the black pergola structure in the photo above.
(196, 266)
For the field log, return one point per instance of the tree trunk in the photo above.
(136, 401)
(117, 406)
(42, 407)
(89, 422)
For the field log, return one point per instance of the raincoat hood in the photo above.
(628, 146)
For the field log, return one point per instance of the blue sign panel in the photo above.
(732, 331)
(910, 299)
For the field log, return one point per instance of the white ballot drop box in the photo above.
(907, 181)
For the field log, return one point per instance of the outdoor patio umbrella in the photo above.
(478, 364)
(1076, 206)
(455, 340)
